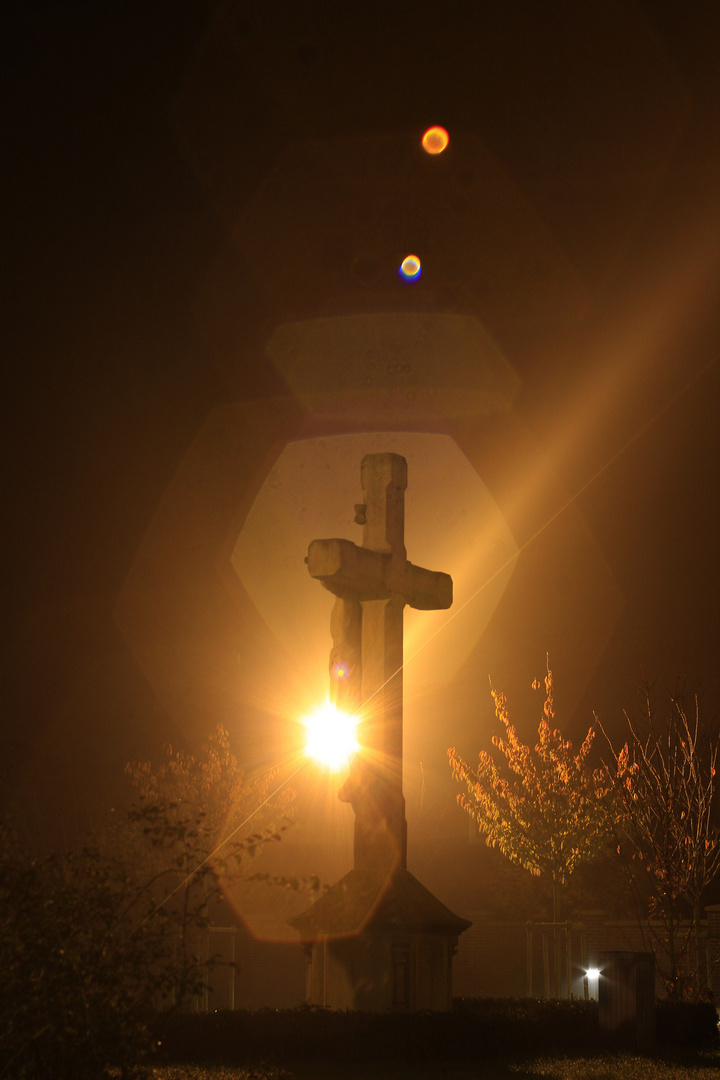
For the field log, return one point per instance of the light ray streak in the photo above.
(214, 852)
(546, 525)
(553, 517)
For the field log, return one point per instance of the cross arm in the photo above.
(427, 590)
(344, 567)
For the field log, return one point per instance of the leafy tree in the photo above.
(545, 808)
(93, 942)
(664, 784)
(80, 974)
(193, 830)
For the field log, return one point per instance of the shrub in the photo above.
(78, 987)
(307, 1034)
(685, 1023)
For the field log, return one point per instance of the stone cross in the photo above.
(372, 584)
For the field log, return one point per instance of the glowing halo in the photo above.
(331, 740)
(410, 268)
(435, 140)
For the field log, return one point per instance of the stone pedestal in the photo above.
(379, 943)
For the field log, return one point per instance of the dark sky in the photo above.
(185, 179)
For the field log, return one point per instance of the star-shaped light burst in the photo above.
(331, 737)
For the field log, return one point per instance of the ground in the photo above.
(606, 1067)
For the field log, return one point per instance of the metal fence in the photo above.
(560, 960)
(494, 959)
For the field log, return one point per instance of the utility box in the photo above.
(626, 999)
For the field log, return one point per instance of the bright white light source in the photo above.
(592, 983)
(435, 140)
(410, 268)
(330, 737)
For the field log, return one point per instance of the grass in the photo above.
(697, 1065)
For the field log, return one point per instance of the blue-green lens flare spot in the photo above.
(410, 268)
(339, 669)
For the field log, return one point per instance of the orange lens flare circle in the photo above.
(435, 140)
(330, 737)
(410, 268)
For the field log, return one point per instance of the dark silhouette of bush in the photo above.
(492, 1028)
(307, 1034)
(80, 971)
(685, 1023)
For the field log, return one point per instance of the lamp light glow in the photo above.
(592, 983)
(331, 740)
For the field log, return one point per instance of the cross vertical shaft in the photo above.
(372, 584)
(378, 939)
(384, 480)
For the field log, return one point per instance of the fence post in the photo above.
(712, 912)
(583, 961)
(546, 963)
(595, 935)
(627, 999)
(529, 933)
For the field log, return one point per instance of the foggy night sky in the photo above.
(186, 179)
